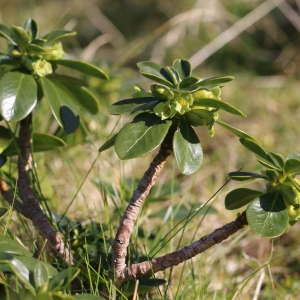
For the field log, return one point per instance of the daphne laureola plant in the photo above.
(163, 117)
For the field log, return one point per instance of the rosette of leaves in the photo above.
(177, 98)
(28, 73)
(271, 211)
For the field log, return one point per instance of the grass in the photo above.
(89, 188)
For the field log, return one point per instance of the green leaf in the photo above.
(188, 81)
(155, 72)
(277, 159)
(254, 147)
(268, 216)
(40, 275)
(63, 278)
(292, 166)
(293, 155)
(85, 99)
(109, 143)
(237, 132)
(144, 134)
(20, 270)
(183, 67)
(58, 34)
(242, 176)
(214, 81)
(240, 197)
(187, 148)
(294, 181)
(219, 105)
(174, 75)
(73, 81)
(267, 163)
(8, 245)
(18, 96)
(31, 26)
(82, 67)
(62, 104)
(40, 142)
(20, 36)
(30, 263)
(3, 160)
(5, 33)
(129, 105)
(34, 49)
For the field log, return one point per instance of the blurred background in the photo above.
(258, 42)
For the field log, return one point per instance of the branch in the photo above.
(33, 210)
(177, 257)
(126, 227)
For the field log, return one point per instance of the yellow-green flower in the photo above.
(37, 66)
(54, 51)
(165, 110)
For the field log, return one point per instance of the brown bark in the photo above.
(173, 259)
(32, 208)
(125, 229)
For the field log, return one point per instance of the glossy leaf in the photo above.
(237, 132)
(62, 104)
(240, 197)
(174, 75)
(5, 33)
(82, 67)
(31, 263)
(144, 134)
(109, 143)
(40, 142)
(31, 26)
(22, 273)
(254, 147)
(20, 35)
(145, 285)
(58, 34)
(188, 81)
(214, 81)
(273, 175)
(129, 105)
(155, 72)
(187, 149)
(18, 96)
(292, 166)
(40, 275)
(268, 216)
(242, 176)
(31, 48)
(219, 105)
(183, 67)
(8, 245)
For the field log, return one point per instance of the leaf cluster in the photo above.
(177, 98)
(28, 73)
(270, 211)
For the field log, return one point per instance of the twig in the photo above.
(32, 208)
(173, 259)
(125, 229)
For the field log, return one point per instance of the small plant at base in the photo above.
(269, 212)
